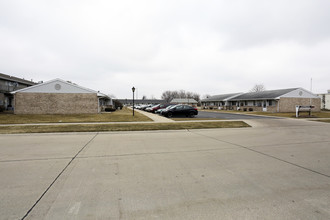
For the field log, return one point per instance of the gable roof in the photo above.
(269, 94)
(223, 97)
(141, 101)
(192, 101)
(55, 86)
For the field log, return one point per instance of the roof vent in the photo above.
(58, 86)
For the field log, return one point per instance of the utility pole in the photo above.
(310, 100)
(133, 90)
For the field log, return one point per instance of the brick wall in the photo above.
(289, 104)
(50, 103)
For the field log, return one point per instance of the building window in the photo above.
(270, 102)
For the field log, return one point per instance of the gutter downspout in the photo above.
(98, 105)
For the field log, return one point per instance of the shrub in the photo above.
(109, 109)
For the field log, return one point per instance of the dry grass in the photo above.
(118, 127)
(124, 115)
(325, 120)
(195, 119)
(321, 114)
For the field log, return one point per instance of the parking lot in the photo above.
(229, 116)
(278, 169)
(160, 109)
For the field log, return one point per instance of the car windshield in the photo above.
(172, 106)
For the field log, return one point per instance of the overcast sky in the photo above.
(207, 47)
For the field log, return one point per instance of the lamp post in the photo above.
(133, 90)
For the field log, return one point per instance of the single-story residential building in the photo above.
(325, 100)
(219, 101)
(9, 84)
(281, 100)
(58, 97)
(141, 101)
(184, 101)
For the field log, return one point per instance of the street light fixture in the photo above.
(133, 90)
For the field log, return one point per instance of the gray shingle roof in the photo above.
(270, 94)
(192, 101)
(141, 101)
(217, 98)
(16, 79)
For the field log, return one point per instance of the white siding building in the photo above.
(325, 100)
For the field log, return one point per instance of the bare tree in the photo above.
(258, 88)
(182, 94)
(196, 97)
(206, 96)
(169, 95)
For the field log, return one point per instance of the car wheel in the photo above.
(169, 114)
(192, 114)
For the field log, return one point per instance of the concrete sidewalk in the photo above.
(154, 117)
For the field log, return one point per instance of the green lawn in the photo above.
(124, 115)
(11, 129)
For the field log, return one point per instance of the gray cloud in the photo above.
(205, 47)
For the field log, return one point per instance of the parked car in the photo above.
(180, 110)
(152, 108)
(145, 107)
(167, 106)
(155, 108)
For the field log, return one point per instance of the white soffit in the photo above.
(56, 86)
(299, 93)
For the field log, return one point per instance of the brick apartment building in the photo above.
(9, 84)
(59, 97)
(282, 100)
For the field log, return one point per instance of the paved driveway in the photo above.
(278, 170)
(230, 116)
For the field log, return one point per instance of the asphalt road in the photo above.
(229, 116)
(279, 169)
